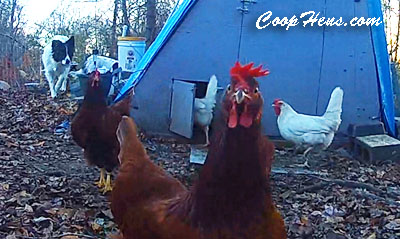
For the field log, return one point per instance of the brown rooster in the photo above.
(94, 129)
(232, 197)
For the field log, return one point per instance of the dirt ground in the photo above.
(47, 190)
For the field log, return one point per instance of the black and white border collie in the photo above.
(56, 58)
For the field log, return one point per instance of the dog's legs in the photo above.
(64, 85)
(65, 80)
(58, 85)
(50, 79)
(62, 82)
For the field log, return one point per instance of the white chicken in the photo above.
(309, 130)
(204, 107)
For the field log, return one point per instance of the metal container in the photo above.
(79, 85)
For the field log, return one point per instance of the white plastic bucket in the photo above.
(130, 51)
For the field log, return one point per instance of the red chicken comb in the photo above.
(248, 70)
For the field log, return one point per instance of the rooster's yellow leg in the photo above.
(108, 186)
(102, 181)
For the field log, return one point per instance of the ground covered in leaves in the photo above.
(47, 190)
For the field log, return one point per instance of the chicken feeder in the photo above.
(130, 51)
(79, 85)
(108, 69)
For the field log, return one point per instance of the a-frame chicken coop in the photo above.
(205, 37)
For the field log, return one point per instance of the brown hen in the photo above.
(232, 197)
(94, 129)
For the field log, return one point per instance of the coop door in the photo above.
(182, 102)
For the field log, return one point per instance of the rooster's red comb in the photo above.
(248, 70)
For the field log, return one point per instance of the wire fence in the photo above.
(18, 63)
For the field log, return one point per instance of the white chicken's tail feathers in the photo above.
(212, 88)
(334, 109)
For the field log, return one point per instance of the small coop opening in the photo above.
(201, 88)
(182, 108)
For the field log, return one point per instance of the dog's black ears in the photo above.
(56, 43)
(71, 41)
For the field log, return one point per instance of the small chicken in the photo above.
(94, 129)
(232, 197)
(204, 107)
(143, 191)
(308, 130)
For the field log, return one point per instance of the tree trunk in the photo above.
(150, 21)
(11, 27)
(125, 17)
(396, 43)
(113, 48)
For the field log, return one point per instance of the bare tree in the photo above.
(150, 21)
(392, 27)
(395, 52)
(113, 48)
(13, 42)
(147, 17)
(125, 16)
(11, 26)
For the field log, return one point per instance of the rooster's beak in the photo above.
(240, 95)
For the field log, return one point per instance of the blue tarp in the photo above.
(383, 67)
(172, 22)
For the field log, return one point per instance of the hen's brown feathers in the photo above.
(94, 128)
(225, 203)
(143, 191)
(230, 200)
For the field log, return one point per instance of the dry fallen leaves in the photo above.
(47, 189)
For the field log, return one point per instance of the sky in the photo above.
(35, 11)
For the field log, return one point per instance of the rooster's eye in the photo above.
(256, 90)
(228, 87)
